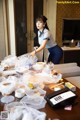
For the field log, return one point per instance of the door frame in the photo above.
(30, 21)
(47, 11)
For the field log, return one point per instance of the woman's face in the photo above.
(40, 25)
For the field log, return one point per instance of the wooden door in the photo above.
(26, 12)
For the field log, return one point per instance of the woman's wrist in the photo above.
(35, 51)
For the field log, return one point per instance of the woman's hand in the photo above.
(39, 48)
(32, 53)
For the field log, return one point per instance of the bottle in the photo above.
(72, 43)
(78, 44)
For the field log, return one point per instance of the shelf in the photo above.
(70, 48)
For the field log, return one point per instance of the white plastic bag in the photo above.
(36, 102)
(20, 111)
(26, 60)
(8, 85)
(9, 61)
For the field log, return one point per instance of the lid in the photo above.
(7, 99)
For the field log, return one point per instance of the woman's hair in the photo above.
(44, 19)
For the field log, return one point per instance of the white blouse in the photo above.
(45, 34)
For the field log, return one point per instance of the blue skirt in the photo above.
(55, 55)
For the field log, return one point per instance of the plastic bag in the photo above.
(36, 102)
(48, 68)
(9, 61)
(26, 60)
(37, 91)
(20, 111)
(8, 85)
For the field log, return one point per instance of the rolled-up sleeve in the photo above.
(46, 35)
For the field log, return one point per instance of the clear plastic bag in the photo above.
(26, 60)
(37, 91)
(36, 102)
(8, 85)
(9, 61)
(20, 111)
(1, 69)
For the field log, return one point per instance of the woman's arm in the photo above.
(40, 48)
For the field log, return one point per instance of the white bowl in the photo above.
(19, 93)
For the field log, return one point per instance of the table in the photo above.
(60, 113)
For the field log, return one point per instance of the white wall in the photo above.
(50, 12)
(11, 27)
(2, 33)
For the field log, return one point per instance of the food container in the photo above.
(19, 93)
(7, 87)
(38, 66)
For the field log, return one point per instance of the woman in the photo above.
(46, 40)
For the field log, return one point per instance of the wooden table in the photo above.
(60, 113)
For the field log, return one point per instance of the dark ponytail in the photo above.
(44, 19)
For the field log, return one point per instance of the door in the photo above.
(26, 12)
